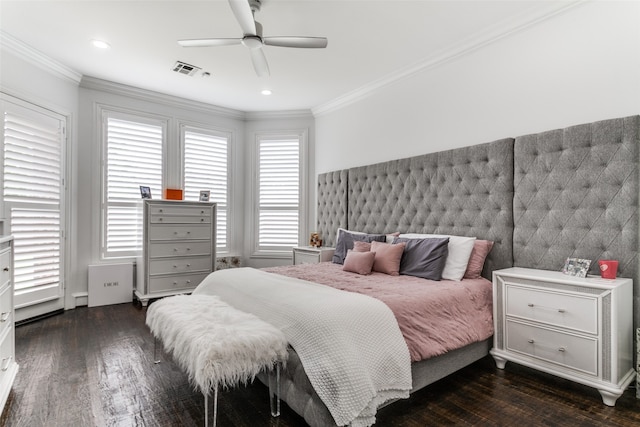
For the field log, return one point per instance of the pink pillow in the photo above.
(388, 257)
(481, 249)
(361, 246)
(359, 262)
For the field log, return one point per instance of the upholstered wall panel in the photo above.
(576, 195)
(466, 191)
(332, 205)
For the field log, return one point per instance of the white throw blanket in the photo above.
(350, 344)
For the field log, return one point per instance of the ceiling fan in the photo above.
(244, 11)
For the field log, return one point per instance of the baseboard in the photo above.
(40, 317)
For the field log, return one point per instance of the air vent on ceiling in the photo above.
(184, 68)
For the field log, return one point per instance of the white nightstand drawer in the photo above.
(174, 283)
(7, 354)
(179, 232)
(307, 258)
(179, 249)
(180, 265)
(575, 352)
(577, 312)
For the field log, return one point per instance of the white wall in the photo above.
(577, 67)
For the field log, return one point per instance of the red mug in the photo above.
(608, 269)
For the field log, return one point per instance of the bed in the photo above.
(513, 192)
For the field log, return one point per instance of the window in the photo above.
(33, 146)
(206, 159)
(279, 192)
(133, 157)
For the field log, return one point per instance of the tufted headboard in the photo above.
(542, 198)
(466, 191)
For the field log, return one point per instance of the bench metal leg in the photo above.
(215, 407)
(274, 390)
(156, 356)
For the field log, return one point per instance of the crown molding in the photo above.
(94, 83)
(469, 45)
(37, 58)
(284, 114)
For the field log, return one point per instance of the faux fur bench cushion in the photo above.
(213, 342)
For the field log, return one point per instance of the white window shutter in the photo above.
(32, 192)
(133, 158)
(278, 192)
(206, 158)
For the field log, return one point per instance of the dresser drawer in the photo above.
(559, 309)
(180, 265)
(179, 249)
(5, 266)
(179, 219)
(306, 257)
(190, 211)
(575, 352)
(6, 309)
(179, 232)
(173, 283)
(7, 358)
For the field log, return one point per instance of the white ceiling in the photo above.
(370, 42)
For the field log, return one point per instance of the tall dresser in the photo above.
(8, 365)
(179, 247)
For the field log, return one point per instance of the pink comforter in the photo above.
(434, 317)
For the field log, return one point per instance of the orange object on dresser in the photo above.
(173, 194)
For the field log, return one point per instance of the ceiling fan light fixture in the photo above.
(252, 42)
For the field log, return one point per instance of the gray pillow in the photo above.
(424, 257)
(345, 242)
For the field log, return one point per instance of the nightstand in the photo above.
(311, 255)
(580, 329)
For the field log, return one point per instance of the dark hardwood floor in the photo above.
(93, 367)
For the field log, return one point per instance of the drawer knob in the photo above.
(530, 304)
(175, 266)
(175, 283)
(201, 219)
(4, 316)
(159, 219)
(188, 232)
(531, 341)
(160, 210)
(188, 281)
(175, 249)
(561, 310)
(188, 265)
(562, 349)
(5, 269)
(188, 249)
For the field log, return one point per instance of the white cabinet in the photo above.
(179, 247)
(580, 329)
(311, 254)
(8, 365)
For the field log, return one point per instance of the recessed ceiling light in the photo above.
(100, 44)
(266, 92)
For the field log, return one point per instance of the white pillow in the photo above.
(459, 253)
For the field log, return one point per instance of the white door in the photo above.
(33, 145)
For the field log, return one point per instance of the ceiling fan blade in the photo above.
(244, 16)
(259, 62)
(304, 42)
(208, 42)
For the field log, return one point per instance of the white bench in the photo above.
(217, 345)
